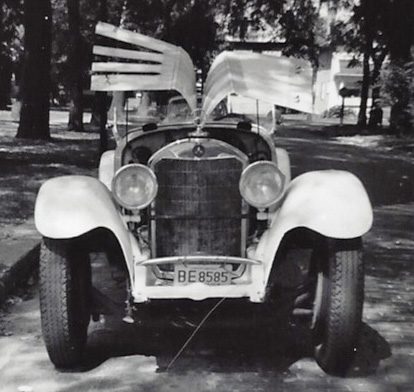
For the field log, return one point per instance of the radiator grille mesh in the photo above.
(198, 207)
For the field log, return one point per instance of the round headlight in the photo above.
(134, 186)
(261, 184)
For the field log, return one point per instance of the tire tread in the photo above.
(62, 341)
(345, 304)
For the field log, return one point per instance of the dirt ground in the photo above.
(124, 357)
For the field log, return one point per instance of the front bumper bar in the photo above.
(252, 288)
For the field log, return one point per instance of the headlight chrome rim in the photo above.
(136, 167)
(248, 172)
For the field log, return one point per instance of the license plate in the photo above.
(215, 276)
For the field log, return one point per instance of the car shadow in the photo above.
(238, 336)
(264, 347)
(371, 350)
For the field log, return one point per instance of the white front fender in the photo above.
(69, 206)
(331, 202)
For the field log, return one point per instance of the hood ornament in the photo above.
(199, 132)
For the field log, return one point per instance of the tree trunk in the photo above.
(100, 97)
(96, 110)
(402, 115)
(35, 88)
(103, 118)
(376, 71)
(75, 68)
(5, 81)
(362, 115)
(315, 68)
(376, 90)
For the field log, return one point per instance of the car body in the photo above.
(199, 210)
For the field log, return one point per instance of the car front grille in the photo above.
(198, 209)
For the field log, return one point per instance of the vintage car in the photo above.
(202, 209)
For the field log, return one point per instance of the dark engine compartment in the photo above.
(141, 148)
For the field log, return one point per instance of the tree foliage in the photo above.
(190, 24)
(244, 16)
(377, 28)
(398, 77)
(11, 47)
(195, 30)
(398, 92)
(11, 21)
(363, 35)
(304, 30)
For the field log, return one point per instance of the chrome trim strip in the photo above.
(199, 259)
(153, 229)
(166, 151)
(244, 228)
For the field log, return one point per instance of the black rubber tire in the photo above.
(339, 318)
(65, 298)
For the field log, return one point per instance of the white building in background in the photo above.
(336, 70)
(335, 73)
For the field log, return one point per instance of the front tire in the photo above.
(338, 304)
(65, 293)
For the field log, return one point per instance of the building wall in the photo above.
(329, 81)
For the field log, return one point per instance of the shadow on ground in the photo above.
(266, 348)
(387, 175)
(26, 164)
